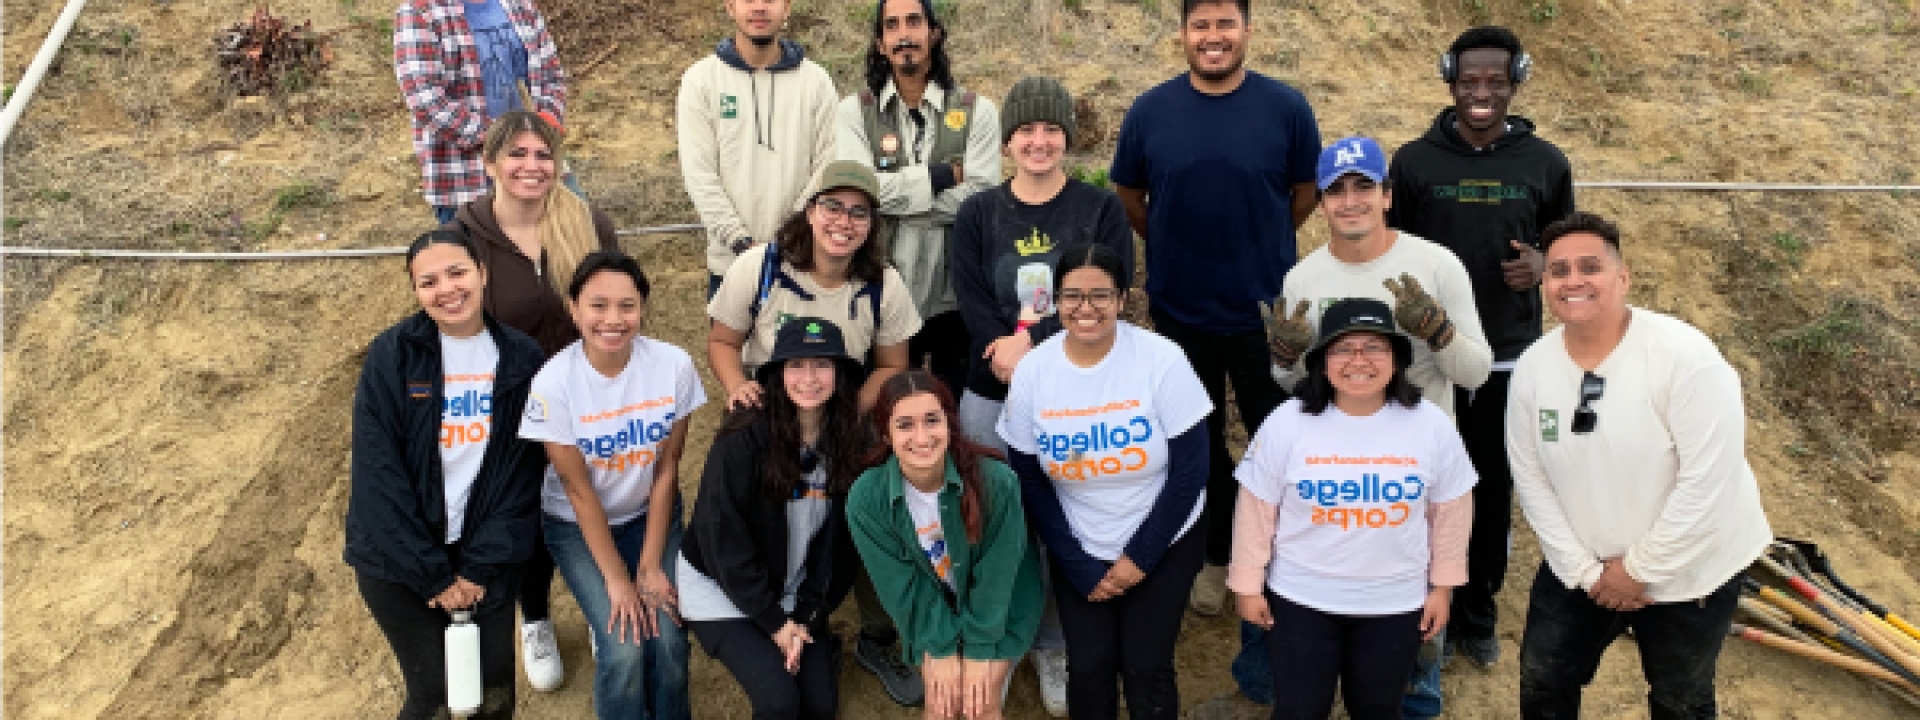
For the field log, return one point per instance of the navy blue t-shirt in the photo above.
(1219, 172)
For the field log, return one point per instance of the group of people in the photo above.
(932, 401)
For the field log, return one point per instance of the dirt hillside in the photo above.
(176, 434)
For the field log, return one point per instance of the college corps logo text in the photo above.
(1103, 448)
(630, 445)
(1373, 500)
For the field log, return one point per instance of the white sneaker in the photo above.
(541, 653)
(1209, 591)
(1051, 667)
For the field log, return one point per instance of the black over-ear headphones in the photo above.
(1519, 67)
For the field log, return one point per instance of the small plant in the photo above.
(1542, 11)
(1671, 160)
(1073, 5)
(1732, 13)
(1901, 176)
(946, 10)
(1798, 449)
(301, 195)
(1830, 337)
(1755, 84)
(8, 95)
(267, 55)
(1095, 176)
(1478, 11)
(53, 195)
(14, 223)
(1792, 245)
(1730, 34)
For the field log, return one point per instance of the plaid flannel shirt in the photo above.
(438, 66)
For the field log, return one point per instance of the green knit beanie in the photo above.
(1036, 99)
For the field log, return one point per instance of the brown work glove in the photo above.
(1418, 313)
(1287, 337)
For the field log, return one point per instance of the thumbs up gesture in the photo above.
(1287, 337)
(1418, 313)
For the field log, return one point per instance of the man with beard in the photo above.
(1481, 184)
(745, 180)
(1215, 168)
(933, 144)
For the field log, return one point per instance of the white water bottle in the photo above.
(463, 665)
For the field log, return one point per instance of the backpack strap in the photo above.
(872, 293)
(769, 266)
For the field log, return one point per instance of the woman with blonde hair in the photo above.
(530, 234)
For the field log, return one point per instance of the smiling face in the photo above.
(1355, 206)
(918, 431)
(1360, 365)
(524, 169)
(758, 21)
(449, 284)
(1482, 90)
(809, 381)
(608, 312)
(1037, 147)
(1586, 281)
(1215, 38)
(1089, 304)
(906, 37)
(841, 220)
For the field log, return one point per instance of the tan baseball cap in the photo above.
(849, 174)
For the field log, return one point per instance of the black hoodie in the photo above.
(1473, 201)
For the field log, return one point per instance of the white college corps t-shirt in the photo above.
(1353, 492)
(1101, 432)
(466, 418)
(618, 423)
(924, 507)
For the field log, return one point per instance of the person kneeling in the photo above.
(768, 557)
(967, 610)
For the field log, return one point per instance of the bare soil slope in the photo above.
(177, 433)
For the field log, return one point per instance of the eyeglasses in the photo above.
(1591, 388)
(835, 208)
(1100, 299)
(1371, 350)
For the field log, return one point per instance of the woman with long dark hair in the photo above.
(942, 532)
(767, 557)
(1351, 525)
(444, 493)
(1106, 424)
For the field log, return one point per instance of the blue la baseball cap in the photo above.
(1351, 155)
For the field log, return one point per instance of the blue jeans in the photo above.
(1567, 633)
(1423, 699)
(647, 680)
(443, 214)
(1252, 669)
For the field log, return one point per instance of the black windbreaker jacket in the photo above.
(738, 537)
(396, 515)
(1472, 201)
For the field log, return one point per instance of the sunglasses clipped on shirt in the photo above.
(1585, 419)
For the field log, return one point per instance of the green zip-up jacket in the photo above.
(996, 601)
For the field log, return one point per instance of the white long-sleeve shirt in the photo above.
(1662, 480)
(1321, 278)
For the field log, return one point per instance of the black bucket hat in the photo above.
(808, 337)
(1351, 315)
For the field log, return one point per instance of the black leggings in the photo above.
(1130, 637)
(417, 634)
(945, 344)
(1369, 658)
(536, 584)
(749, 654)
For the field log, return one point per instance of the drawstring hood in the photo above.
(791, 54)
